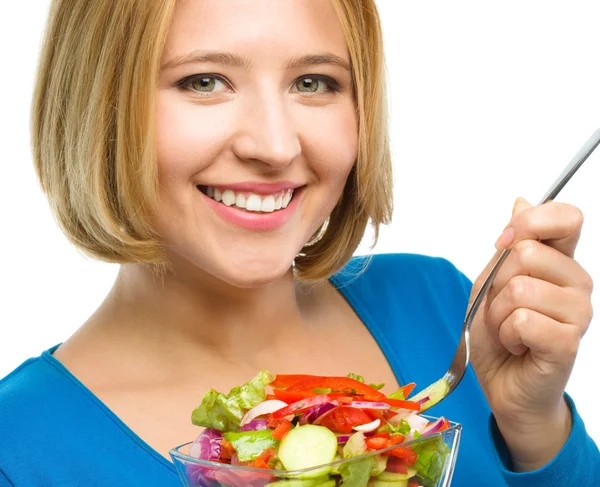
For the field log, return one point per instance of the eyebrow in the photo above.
(236, 61)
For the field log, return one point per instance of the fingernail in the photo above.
(505, 239)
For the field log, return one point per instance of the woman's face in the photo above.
(256, 133)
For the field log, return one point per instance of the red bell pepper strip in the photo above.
(262, 461)
(283, 381)
(406, 454)
(338, 384)
(291, 397)
(397, 403)
(282, 429)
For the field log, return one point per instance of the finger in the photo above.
(566, 305)
(526, 329)
(556, 224)
(535, 259)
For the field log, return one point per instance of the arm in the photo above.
(577, 463)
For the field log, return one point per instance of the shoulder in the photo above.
(402, 271)
(28, 399)
(425, 293)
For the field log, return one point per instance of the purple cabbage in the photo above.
(208, 445)
(255, 425)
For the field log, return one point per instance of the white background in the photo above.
(490, 100)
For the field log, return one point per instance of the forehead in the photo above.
(261, 27)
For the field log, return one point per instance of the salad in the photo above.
(295, 422)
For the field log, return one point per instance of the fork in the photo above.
(440, 389)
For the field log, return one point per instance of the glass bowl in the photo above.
(436, 457)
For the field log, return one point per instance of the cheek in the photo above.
(332, 147)
(188, 137)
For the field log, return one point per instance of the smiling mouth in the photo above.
(250, 202)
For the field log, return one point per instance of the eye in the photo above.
(204, 84)
(315, 84)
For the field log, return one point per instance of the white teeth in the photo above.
(278, 202)
(240, 201)
(228, 197)
(253, 203)
(286, 199)
(268, 204)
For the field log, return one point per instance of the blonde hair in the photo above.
(93, 131)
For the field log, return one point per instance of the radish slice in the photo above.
(265, 407)
(373, 425)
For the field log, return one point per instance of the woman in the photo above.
(230, 155)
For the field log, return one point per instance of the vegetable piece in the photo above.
(432, 454)
(355, 446)
(395, 465)
(434, 427)
(369, 405)
(301, 406)
(265, 407)
(225, 412)
(255, 425)
(343, 418)
(262, 460)
(340, 384)
(282, 429)
(403, 392)
(389, 476)
(283, 381)
(384, 483)
(290, 397)
(312, 414)
(406, 454)
(357, 473)
(435, 392)
(365, 428)
(308, 446)
(301, 482)
(207, 446)
(250, 444)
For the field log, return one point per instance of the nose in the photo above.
(267, 133)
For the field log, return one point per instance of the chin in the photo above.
(253, 274)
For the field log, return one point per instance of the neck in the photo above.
(188, 317)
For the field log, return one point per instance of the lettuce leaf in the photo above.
(432, 456)
(358, 472)
(250, 444)
(224, 412)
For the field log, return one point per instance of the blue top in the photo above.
(55, 432)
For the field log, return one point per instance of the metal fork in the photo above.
(440, 389)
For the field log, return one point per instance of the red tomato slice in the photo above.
(343, 418)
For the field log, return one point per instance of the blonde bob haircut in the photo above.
(93, 131)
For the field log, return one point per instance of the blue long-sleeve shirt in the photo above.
(55, 432)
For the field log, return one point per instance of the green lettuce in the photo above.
(358, 472)
(357, 377)
(250, 444)
(432, 456)
(224, 412)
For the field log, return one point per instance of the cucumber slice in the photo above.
(435, 391)
(314, 482)
(394, 477)
(308, 446)
(383, 483)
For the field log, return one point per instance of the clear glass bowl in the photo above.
(443, 447)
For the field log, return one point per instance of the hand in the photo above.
(525, 336)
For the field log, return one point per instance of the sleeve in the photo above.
(4, 480)
(577, 464)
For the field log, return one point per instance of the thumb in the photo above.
(520, 205)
